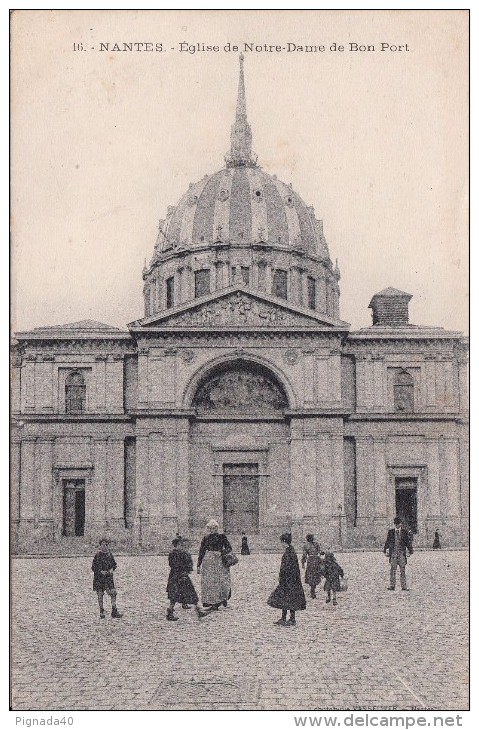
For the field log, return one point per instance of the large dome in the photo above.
(241, 226)
(242, 205)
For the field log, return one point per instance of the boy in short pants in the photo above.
(103, 566)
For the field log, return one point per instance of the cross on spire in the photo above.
(241, 154)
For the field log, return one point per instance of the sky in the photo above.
(104, 141)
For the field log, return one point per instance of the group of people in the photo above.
(289, 594)
(216, 556)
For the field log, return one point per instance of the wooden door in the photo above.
(240, 498)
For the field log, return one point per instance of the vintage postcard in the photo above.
(239, 457)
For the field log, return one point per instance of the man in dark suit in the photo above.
(398, 543)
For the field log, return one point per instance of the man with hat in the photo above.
(398, 544)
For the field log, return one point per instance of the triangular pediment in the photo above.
(239, 307)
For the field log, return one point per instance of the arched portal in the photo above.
(238, 389)
(239, 449)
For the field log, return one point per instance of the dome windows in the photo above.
(202, 282)
(170, 292)
(280, 283)
(311, 286)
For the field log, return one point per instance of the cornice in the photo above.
(406, 417)
(68, 418)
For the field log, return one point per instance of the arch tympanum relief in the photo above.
(240, 388)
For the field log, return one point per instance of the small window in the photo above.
(170, 292)
(75, 393)
(245, 274)
(202, 282)
(311, 292)
(280, 284)
(261, 276)
(404, 392)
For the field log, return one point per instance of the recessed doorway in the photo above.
(406, 501)
(74, 508)
(241, 498)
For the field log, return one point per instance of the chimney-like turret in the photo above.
(390, 308)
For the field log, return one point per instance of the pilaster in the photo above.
(115, 483)
(182, 474)
(44, 448)
(95, 507)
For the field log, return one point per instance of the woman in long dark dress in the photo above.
(289, 595)
(215, 576)
(436, 545)
(244, 545)
(311, 553)
(179, 588)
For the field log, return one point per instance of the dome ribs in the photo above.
(222, 207)
(173, 225)
(277, 223)
(259, 218)
(189, 210)
(289, 207)
(306, 227)
(203, 224)
(240, 208)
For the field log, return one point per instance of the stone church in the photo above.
(240, 395)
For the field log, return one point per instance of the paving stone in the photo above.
(376, 648)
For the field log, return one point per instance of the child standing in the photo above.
(179, 588)
(244, 544)
(332, 572)
(103, 566)
(312, 560)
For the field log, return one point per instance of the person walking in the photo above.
(332, 572)
(179, 588)
(398, 544)
(312, 561)
(215, 576)
(244, 545)
(289, 594)
(103, 566)
(436, 545)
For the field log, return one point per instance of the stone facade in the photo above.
(240, 395)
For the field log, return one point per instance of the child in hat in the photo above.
(103, 566)
(332, 571)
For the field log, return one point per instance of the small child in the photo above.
(244, 545)
(103, 566)
(179, 588)
(332, 572)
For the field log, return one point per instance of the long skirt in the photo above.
(289, 596)
(313, 571)
(180, 588)
(215, 579)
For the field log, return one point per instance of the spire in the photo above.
(241, 103)
(241, 154)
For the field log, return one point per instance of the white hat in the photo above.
(212, 525)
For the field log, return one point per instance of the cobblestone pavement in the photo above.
(377, 649)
